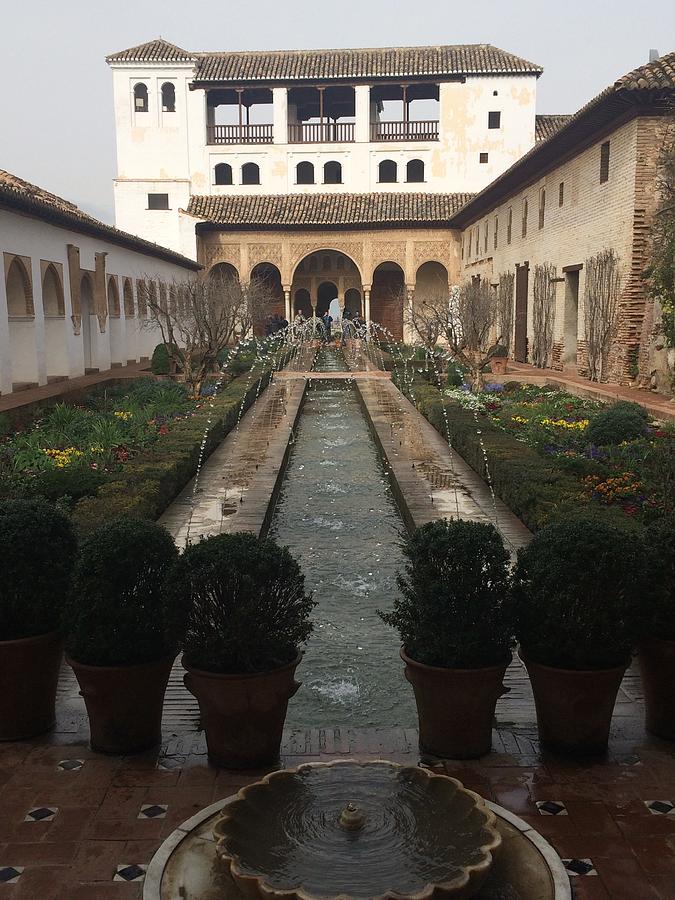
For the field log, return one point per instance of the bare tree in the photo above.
(505, 307)
(601, 309)
(198, 318)
(427, 317)
(543, 314)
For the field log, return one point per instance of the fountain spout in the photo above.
(352, 818)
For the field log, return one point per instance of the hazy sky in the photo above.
(56, 116)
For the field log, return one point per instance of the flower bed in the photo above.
(540, 458)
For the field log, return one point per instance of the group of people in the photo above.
(351, 324)
(275, 323)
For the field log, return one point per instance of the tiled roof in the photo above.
(648, 86)
(26, 197)
(326, 210)
(548, 125)
(158, 50)
(303, 65)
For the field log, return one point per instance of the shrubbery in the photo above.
(160, 363)
(660, 579)
(620, 422)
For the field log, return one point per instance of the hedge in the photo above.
(534, 488)
(147, 484)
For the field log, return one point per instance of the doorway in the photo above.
(326, 293)
(569, 357)
(520, 336)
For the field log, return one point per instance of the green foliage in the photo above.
(118, 612)
(455, 374)
(616, 424)
(661, 271)
(160, 362)
(576, 595)
(660, 578)
(73, 483)
(37, 553)
(453, 611)
(248, 610)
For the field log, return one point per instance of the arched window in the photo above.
(414, 171)
(19, 290)
(141, 97)
(304, 173)
(113, 298)
(387, 172)
(250, 173)
(223, 173)
(168, 97)
(332, 173)
(52, 293)
(325, 264)
(128, 293)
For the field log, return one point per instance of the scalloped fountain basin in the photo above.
(361, 830)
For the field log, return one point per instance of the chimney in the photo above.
(653, 55)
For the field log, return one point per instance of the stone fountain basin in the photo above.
(413, 834)
(186, 867)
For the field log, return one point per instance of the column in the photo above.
(408, 330)
(287, 306)
(280, 114)
(366, 306)
(362, 113)
(5, 352)
(39, 322)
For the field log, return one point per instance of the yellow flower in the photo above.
(124, 415)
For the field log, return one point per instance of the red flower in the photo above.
(163, 429)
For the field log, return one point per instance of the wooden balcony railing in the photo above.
(239, 134)
(426, 130)
(321, 133)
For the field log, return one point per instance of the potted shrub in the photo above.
(657, 650)
(499, 357)
(123, 632)
(575, 593)
(248, 614)
(37, 553)
(453, 619)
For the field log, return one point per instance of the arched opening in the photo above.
(130, 327)
(326, 293)
(332, 173)
(23, 351)
(430, 302)
(53, 302)
(304, 173)
(224, 271)
(387, 299)
(414, 171)
(302, 303)
(128, 294)
(87, 310)
(223, 173)
(268, 295)
(250, 173)
(140, 97)
(319, 268)
(117, 356)
(168, 97)
(113, 298)
(19, 291)
(387, 172)
(352, 302)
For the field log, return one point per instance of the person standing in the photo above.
(327, 320)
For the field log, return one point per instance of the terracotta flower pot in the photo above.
(657, 666)
(455, 707)
(29, 673)
(243, 715)
(574, 708)
(124, 704)
(498, 365)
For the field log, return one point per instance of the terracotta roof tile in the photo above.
(29, 198)
(326, 210)
(548, 125)
(653, 76)
(158, 50)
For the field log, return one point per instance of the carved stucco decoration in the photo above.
(77, 323)
(260, 253)
(432, 251)
(227, 253)
(101, 322)
(388, 251)
(353, 249)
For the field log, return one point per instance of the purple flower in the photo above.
(494, 388)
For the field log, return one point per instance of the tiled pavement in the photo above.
(75, 825)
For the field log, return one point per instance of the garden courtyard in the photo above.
(337, 502)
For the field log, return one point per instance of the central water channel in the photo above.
(337, 515)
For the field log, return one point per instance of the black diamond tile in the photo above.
(70, 765)
(660, 807)
(580, 866)
(551, 808)
(152, 811)
(10, 874)
(130, 873)
(41, 814)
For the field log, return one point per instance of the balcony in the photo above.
(239, 134)
(421, 130)
(321, 133)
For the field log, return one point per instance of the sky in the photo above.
(56, 113)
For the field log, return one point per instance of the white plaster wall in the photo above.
(27, 351)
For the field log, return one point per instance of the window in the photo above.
(494, 120)
(477, 240)
(561, 193)
(604, 162)
(140, 97)
(485, 237)
(332, 173)
(223, 173)
(496, 233)
(158, 201)
(524, 222)
(414, 171)
(495, 93)
(304, 173)
(462, 253)
(483, 158)
(387, 172)
(168, 97)
(250, 173)
(542, 207)
(509, 225)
